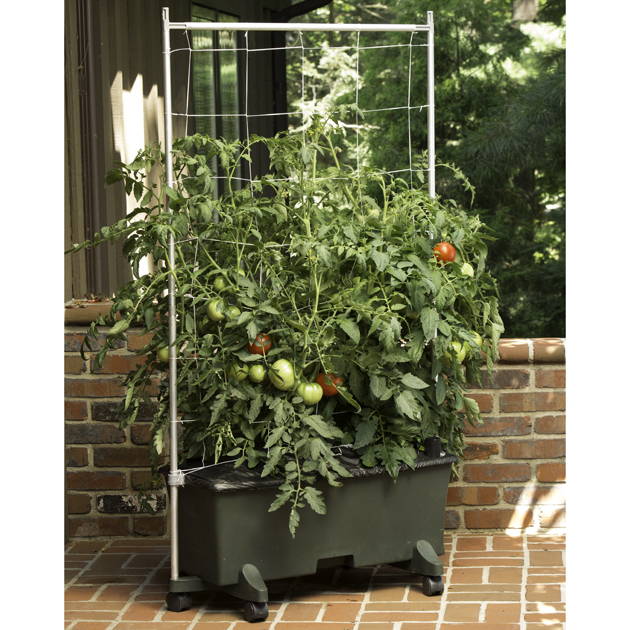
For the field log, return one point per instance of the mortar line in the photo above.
(87, 566)
(132, 596)
(362, 608)
(524, 575)
(447, 583)
(283, 605)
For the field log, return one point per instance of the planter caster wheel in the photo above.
(178, 602)
(432, 585)
(255, 611)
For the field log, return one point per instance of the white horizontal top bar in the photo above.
(292, 26)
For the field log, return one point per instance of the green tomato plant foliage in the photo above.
(338, 269)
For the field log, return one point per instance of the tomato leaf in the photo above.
(351, 329)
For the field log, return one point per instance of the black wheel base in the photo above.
(255, 611)
(178, 602)
(432, 585)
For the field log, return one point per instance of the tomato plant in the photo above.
(311, 393)
(334, 278)
(216, 310)
(281, 375)
(445, 252)
(328, 383)
(261, 344)
(257, 373)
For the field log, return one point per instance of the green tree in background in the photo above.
(500, 118)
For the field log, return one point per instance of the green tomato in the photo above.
(311, 392)
(257, 373)
(162, 354)
(233, 312)
(467, 270)
(216, 310)
(219, 283)
(282, 375)
(478, 339)
(238, 372)
(460, 350)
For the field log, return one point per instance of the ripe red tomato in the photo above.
(261, 344)
(329, 383)
(444, 252)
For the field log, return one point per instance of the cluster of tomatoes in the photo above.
(281, 374)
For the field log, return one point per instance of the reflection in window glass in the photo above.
(214, 77)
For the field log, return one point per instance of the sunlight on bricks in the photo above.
(493, 582)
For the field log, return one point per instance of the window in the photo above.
(214, 77)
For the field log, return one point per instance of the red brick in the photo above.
(136, 341)
(106, 411)
(550, 424)
(480, 450)
(94, 387)
(551, 472)
(76, 457)
(149, 525)
(73, 364)
(79, 503)
(549, 350)
(514, 350)
(118, 364)
(73, 340)
(496, 472)
(485, 401)
(144, 480)
(502, 425)
(505, 379)
(472, 495)
(99, 480)
(551, 378)
(75, 410)
(534, 449)
(532, 401)
(141, 433)
(99, 526)
(122, 456)
(91, 433)
(452, 519)
(534, 496)
(497, 519)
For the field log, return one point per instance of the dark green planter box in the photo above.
(224, 523)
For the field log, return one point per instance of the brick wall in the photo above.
(513, 469)
(511, 476)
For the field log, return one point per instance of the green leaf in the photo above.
(118, 328)
(413, 381)
(351, 329)
(429, 318)
(274, 436)
(378, 387)
(326, 430)
(440, 390)
(315, 499)
(190, 324)
(407, 405)
(365, 433)
(280, 500)
(381, 260)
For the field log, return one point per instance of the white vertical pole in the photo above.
(172, 325)
(431, 105)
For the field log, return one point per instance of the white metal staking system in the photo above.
(176, 476)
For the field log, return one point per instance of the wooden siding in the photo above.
(114, 106)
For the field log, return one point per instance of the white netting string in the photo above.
(302, 113)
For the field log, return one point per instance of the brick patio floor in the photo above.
(492, 583)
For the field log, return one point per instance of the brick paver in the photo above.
(492, 583)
